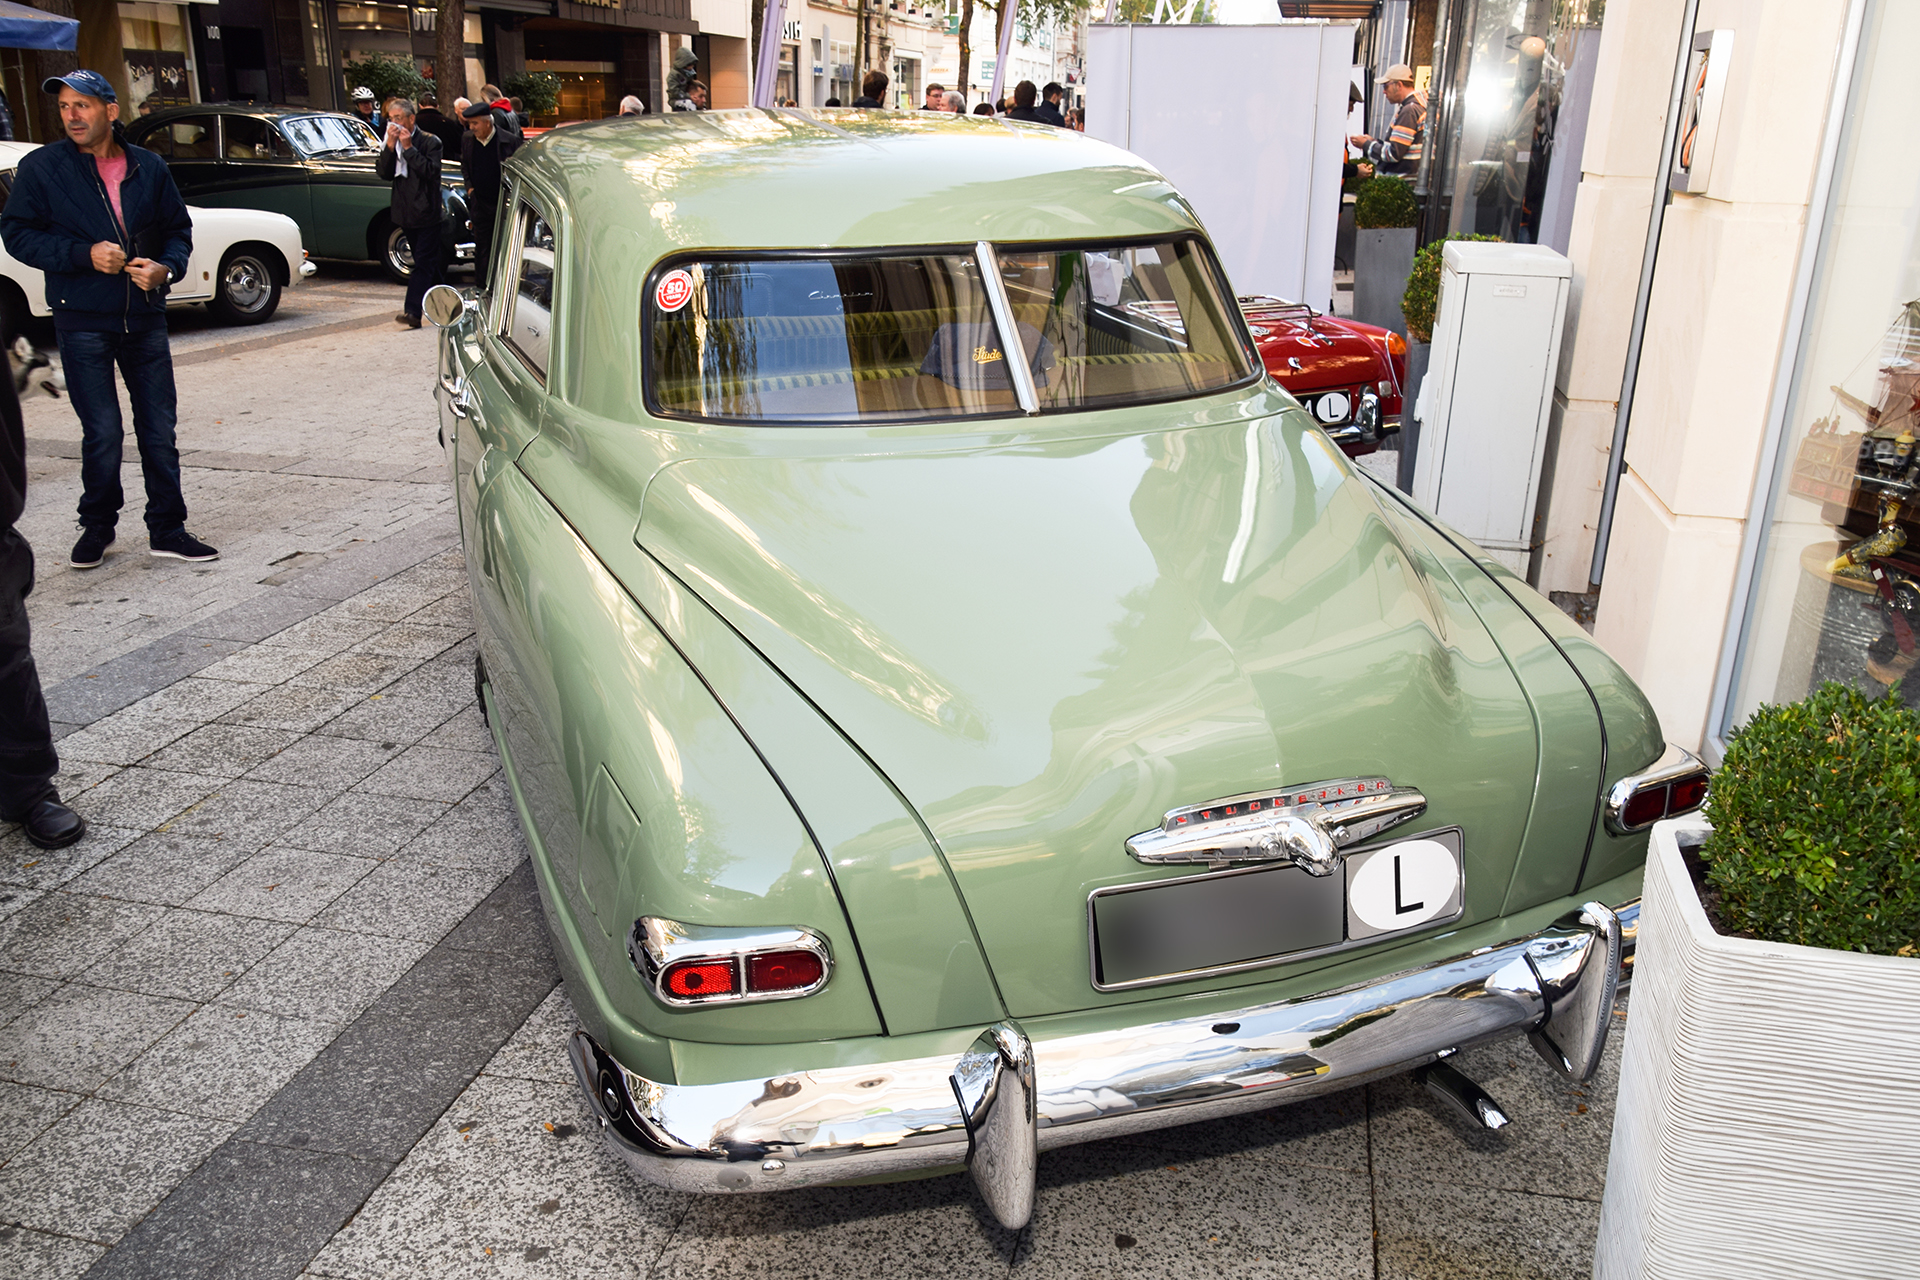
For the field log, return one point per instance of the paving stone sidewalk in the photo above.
(289, 1009)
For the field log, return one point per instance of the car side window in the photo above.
(527, 325)
(192, 138)
(251, 138)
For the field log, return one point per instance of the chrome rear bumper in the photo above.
(1009, 1097)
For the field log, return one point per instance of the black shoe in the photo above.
(51, 825)
(181, 545)
(91, 549)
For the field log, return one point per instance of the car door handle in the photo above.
(459, 395)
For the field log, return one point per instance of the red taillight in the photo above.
(783, 971)
(696, 978)
(1688, 794)
(1644, 807)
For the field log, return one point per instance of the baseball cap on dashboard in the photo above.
(91, 83)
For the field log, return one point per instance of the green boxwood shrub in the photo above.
(1422, 297)
(1816, 816)
(1381, 201)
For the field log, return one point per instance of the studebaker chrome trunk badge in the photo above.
(1308, 826)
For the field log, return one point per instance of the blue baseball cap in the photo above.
(91, 83)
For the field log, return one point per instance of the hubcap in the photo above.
(400, 253)
(248, 286)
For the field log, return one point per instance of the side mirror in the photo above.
(443, 305)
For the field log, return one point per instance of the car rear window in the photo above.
(886, 337)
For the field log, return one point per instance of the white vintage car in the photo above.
(242, 259)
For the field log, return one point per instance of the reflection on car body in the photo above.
(959, 704)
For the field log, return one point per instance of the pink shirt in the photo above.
(114, 172)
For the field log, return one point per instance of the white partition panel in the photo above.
(1249, 123)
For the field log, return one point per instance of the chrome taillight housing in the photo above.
(686, 965)
(1674, 784)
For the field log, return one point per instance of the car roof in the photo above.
(846, 178)
(227, 109)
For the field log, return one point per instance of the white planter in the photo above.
(1768, 1123)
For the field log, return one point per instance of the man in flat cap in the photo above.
(103, 219)
(482, 152)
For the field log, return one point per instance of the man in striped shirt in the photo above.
(1399, 151)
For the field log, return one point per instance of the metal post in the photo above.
(765, 74)
(1669, 138)
(1012, 11)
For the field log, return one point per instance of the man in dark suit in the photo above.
(483, 150)
(410, 160)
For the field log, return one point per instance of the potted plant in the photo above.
(1385, 213)
(1419, 303)
(1769, 1108)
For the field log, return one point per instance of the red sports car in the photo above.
(1348, 374)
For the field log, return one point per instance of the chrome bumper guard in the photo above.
(1008, 1098)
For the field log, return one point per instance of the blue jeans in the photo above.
(147, 366)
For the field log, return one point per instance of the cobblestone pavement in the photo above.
(289, 1008)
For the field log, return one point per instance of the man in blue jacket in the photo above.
(106, 224)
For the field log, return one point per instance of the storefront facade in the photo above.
(1772, 422)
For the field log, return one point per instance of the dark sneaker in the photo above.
(182, 546)
(91, 549)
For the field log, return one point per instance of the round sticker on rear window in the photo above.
(674, 291)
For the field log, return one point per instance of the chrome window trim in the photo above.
(656, 944)
(1019, 372)
(1268, 962)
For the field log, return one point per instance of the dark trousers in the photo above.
(483, 224)
(146, 365)
(429, 267)
(27, 759)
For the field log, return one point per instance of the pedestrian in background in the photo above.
(1077, 119)
(954, 103)
(1024, 95)
(410, 160)
(368, 111)
(873, 91)
(936, 98)
(27, 758)
(483, 150)
(520, 116)
(1399, 151)
(1049, 108)
(983, 109)
(831, 102)
(449, 131)
(632, 106)
(106, 224)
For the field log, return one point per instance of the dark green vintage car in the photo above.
(929, 757)
(314, 166)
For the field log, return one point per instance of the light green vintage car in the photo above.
(931, 758)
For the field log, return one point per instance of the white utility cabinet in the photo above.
(1248, 123)
(1489, 389)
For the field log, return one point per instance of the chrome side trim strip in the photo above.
(833, 1124)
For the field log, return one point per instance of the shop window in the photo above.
(1513, 80)
(154, 46)
(1836, 588)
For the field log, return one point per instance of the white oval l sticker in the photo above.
(1404, 885)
